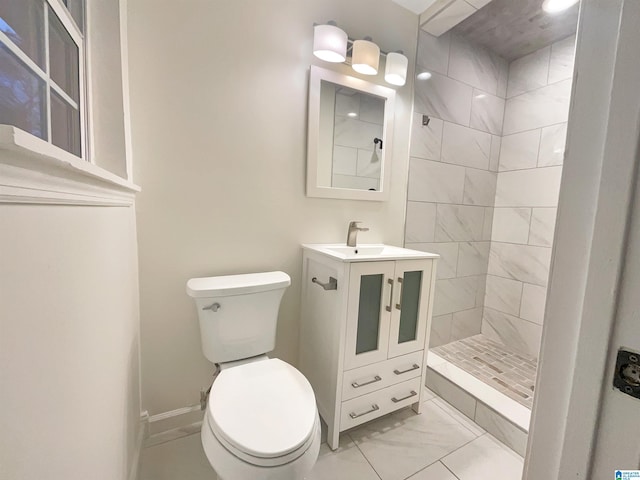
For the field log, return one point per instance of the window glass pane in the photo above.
(409, 306)
(22, 96)
(76, 8)
(23, 22)
(63, 57)
(65, 125)
(369, 313)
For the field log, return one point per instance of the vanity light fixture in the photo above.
(365, 57)
(332, 44)
(557, 6)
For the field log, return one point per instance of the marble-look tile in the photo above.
(426, 141)
(494, 157)
(480, 292)
(543, 223)
(478, 3)
(456, 12)
(435, 182)
(501, 428)
(473, 258)
(371, 109)
(368, 163)
(350, 132)
(433, 52)
(465, 146)
(473, 65)
(346, 103)
(519, 151)
(503, 294)
(538, 108)
(459, 415)
(466, 323)
(456, 223)
(181, 458)
(358, 183)
(479, 187)
(421, 222)
(488, 223)
(503, 79)
(455, 294)
(520, 262)
(427, 395)
(534, 299)
(347, 463)
(440, 333)
(485, 457)
(562, 57)
(345, 160)
(512, 331)
(538, 187)
(436, 471)
(443, 97)
(452, 394)
(552, 144)
(448, 260)
(529, 72)
(511, 225)
(487, 112)
(400, 444)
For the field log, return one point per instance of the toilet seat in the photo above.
(263, 412)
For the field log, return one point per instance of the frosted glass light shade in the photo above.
(329, 43)
(395, 71)
(556, 6)
(365, 57)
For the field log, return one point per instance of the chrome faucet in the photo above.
(353, 233)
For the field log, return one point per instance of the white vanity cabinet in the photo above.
(365, 319)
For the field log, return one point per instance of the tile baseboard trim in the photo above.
(174, 419)
(137, 457)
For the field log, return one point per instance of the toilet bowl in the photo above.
(261, 420)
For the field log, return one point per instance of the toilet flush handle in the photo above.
(214, 307)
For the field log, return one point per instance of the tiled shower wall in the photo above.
(534, 131)
(453, 174)
(463, 165)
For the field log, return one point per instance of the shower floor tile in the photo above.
(510, 372)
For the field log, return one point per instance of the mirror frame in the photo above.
(316, 75)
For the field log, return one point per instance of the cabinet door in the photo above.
(368, 313)
(410, 306)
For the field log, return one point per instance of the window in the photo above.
(42, 70)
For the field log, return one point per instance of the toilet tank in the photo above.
(238, 314)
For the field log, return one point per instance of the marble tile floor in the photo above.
(439, 444)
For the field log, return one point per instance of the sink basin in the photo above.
(367, 252)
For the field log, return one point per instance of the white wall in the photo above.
(219, 113)
(69, 365)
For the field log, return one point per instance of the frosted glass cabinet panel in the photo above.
(369, 313)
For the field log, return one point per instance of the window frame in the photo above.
(79, 39)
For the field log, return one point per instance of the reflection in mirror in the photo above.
(357, 121)
(350, 125)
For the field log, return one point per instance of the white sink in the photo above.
(367, 252)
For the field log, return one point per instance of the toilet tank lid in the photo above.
(237, 284)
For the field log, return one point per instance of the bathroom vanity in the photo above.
(366, 314)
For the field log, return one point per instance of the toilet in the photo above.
(261, 420)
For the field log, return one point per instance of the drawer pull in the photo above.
(410, 369)
(412, 394)
(374, 407)
(390, 282)
(377, 378)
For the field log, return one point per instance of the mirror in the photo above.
(349, 138)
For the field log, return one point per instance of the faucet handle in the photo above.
(355, 225)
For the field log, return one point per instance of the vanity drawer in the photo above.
(370, 378)
(373, 405)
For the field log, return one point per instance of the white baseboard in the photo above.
(137, 455)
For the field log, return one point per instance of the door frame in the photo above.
(593, 215)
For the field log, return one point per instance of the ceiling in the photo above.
(416, 6)
(514, 28)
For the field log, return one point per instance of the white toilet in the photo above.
(261, 420)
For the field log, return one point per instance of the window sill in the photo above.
(34, 171)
